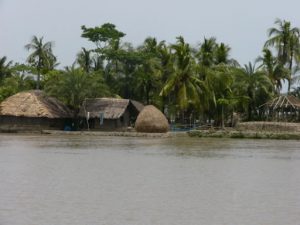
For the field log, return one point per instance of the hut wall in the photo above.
(15, 123)
(108, 124)
(125, 119)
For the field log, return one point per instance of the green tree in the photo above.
(184, 83)
(41, 56)
(108, 46)
(217, 80)
(206, 54)
(5, 68)
(148, 73)
(74, 85)
(254, 84)
(14, 84)
(222, 55)
(167, 70)
(285, 39)
(273, 68)
(102, 36)
(84, 59)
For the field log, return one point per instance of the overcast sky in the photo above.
(241, 24)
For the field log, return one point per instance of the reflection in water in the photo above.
(118, 180)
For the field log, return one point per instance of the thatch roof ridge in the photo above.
(112, 108)
(34, 103)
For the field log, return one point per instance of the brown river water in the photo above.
(89, 180)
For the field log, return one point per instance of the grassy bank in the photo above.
(245, 134)
(107, 133)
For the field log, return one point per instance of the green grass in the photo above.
(246, 134)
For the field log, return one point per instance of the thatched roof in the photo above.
(34, 104)
(139, 106)
(283, 102)
(151, 120)
(113, 108)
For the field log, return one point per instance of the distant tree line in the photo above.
(200, 82)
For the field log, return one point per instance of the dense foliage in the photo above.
(186, 82)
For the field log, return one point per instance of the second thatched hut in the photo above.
(109, 114)
(151, 120)
(283, 108)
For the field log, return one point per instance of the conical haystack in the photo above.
(151, 120)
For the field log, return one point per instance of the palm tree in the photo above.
(84, 60)
(167, 70)
(147, 77)
(206, 54)
(5, 70)
(274, 70)
(184, 82)
(253, 83)
(219, 81)
(97, 63)
(285, 39)
(41, 57)
(222, 55)
(150, 46)
(148, 73)
(74, 85)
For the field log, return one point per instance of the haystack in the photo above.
(151, 120)
(34, 104)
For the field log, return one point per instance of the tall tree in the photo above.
(167, 70)
(102, 36)
(273, 68)
(74, 85)
(285, 39)
(221, 91)
(41, 56)
(107, 39)
(148, 73)
(5, 70)
(85, 60)
(184, 82)
(206, 54)
(222, 55)
(253, 83)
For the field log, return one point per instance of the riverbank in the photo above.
(245, 134)
(227, 133)
(116, 133)
(249, 130)
(254, 130)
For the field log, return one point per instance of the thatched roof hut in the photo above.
(151, 120)
(112, 108)
(34, 104)
(283, 102)
(283, 107)
(110, 113)
(33, 111)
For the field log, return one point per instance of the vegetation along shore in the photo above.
(193, 85)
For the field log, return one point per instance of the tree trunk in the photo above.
(249, 112)
(290, 67)
(39, 74)
(148, 94)
(222, 117)
(38, 80)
